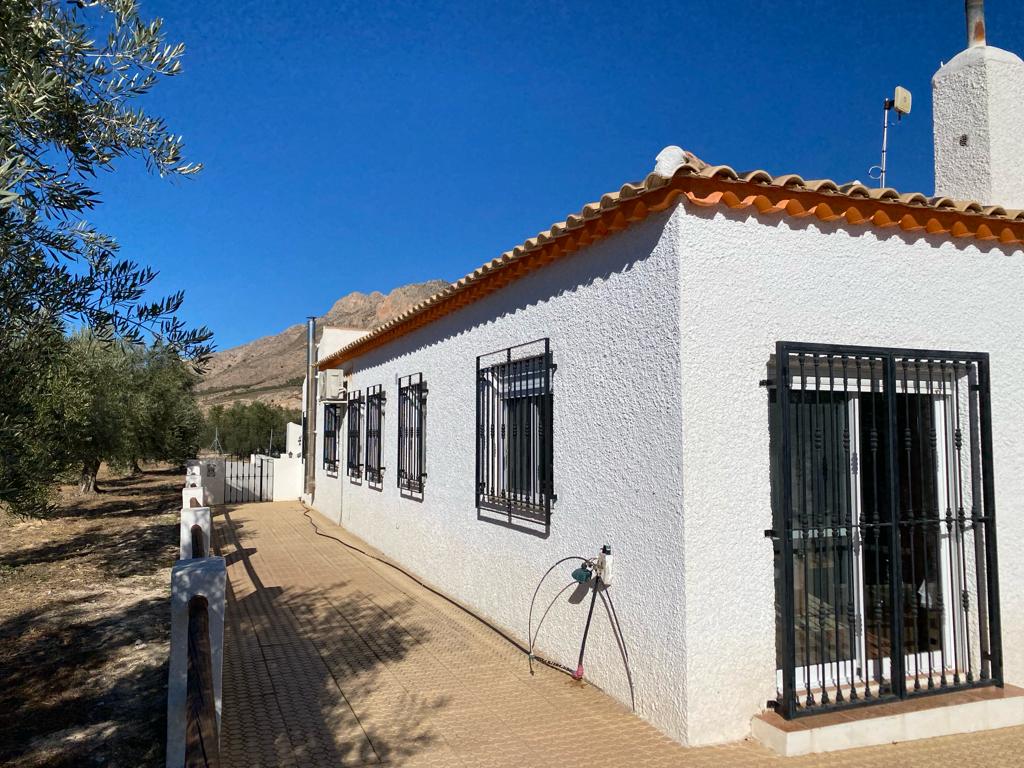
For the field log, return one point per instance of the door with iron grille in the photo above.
(884, 525)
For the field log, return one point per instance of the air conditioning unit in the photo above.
(332, 385)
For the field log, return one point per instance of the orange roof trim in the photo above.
(708, 186)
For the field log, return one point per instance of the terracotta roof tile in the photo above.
(678, 175)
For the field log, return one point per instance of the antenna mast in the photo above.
(216, 447)
(901, 103)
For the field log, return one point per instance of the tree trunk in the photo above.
(136, 469)
(90, 468)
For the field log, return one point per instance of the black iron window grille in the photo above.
(374, 433)
(331, 437)
(353, 416)
(884, 525)
(412, 434)
(514, 420)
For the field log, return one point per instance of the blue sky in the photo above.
(365, 145)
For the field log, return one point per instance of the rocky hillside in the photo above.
(271, 369)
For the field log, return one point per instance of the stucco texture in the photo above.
(749, 282)
(978, 112)
(661, 335)
(612, 316)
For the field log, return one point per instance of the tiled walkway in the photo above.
(333, 659)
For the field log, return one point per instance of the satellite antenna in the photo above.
(217, 448)
(900, 101)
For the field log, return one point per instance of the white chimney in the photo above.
(978, 112)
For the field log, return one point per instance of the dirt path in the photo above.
(84, 622)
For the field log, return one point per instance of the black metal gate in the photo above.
(884, 525)
(246, 482)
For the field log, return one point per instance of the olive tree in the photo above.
(71, 77)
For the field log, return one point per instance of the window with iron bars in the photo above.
(514, 418)
(374, 433)
(331, 437)
(884, 525)
(412, 435)
(354, 412)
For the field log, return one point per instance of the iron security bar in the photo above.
(412, 420)
(375, 399)
(331, 437)
(248, 481)
(353, 466)
(515, 448)
(884, 528)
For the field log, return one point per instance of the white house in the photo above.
(757, 390)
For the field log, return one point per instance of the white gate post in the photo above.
(205, 577)
(190, 517)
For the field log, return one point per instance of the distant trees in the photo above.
(246, 428)
(71, 76)
(122, 404)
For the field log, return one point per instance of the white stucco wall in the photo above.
(979, 95)
(327, 495)
(612, 316)
(287, 478)
(327, 492)
(749, 282)
(661, 335)
(293, 440)
(332, 339)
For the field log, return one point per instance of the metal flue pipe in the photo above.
(309, 433)
(975, 10)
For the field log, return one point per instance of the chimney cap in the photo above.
(975, 11)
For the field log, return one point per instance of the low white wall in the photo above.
(191, 516)
(287, 478)
(213, 480)
(206, 577)
(612, 315)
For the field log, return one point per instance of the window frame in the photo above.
(353, 414)
(373, 445)
(515, 442)
(330, 447)
(412, 420)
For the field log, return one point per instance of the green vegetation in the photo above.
(111, 402)
(246, 428)
(123, 404)
(71, 75)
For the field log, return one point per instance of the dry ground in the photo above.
(84, 622)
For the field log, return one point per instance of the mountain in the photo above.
(271, 369)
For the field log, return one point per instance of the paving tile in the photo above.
(332, 659)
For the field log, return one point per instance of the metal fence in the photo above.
(412, 432)
(884, 526)
(246, 482)
(514, 419)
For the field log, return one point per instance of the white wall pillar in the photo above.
(191, 498)
(191, 516)
(206, 577)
